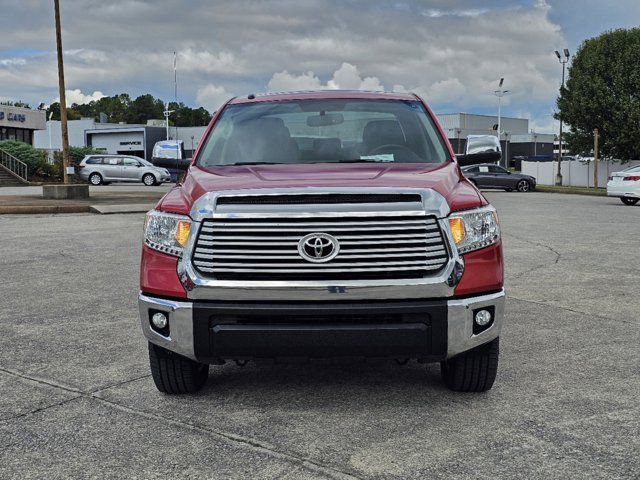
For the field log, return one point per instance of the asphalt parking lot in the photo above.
(77, 400)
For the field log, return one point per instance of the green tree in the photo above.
(603, 91)
(120, 108)
(19, 103)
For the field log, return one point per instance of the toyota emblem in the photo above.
(318, 247)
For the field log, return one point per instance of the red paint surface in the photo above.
(483, 271)
(158, 274)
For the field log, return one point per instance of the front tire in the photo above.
(629, 200)
(149, 179)
(472, 371)
(175, 374)
(95, 179)
(523, 186)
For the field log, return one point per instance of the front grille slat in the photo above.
(299, 225)
(375, 237)
(405, 245)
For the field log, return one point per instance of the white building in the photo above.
(17, 123)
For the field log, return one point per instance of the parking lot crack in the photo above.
(40, 409)
(306, 463)
(119, 384)
(557, 254)
(572, 310)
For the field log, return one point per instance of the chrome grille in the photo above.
(371, 247)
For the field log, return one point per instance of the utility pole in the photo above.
(166, 114)
(63, 97)
(595, 157)
(563, 61)
(500, 93)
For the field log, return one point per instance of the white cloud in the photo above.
(10, 62)
(347, 77)
(212, 97)
(76, 96)
(285, 82)
(190, 60)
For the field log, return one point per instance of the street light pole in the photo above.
(500, 93)
(63, 97)
(563, 61)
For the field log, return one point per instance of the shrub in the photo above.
(25, 153)
(76, 154)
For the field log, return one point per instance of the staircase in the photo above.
(8, 179)
(13, 172)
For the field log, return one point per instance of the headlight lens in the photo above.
(474, 229)
(166, 232)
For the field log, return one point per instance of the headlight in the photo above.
(166, 232)
(474, 229)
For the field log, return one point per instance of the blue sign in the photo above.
(14, 117)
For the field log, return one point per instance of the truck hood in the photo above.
(443, 178)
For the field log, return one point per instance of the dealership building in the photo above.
(20, 124)
(116, 138)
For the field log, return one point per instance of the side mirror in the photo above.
(475, 158)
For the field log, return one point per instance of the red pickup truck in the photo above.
(323, 224)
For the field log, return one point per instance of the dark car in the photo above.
(489, 175)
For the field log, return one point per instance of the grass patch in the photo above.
(600, 192)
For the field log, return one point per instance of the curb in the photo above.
(34, 209)
(117, 209)
(571, 192)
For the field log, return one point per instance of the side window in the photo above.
(472, 170)
(130, 162)
(113, 161)
(94, 160)
(483, 169)
(496, 169)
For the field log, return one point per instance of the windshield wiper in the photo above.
(362, 160)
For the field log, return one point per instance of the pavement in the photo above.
(115, 198)
(77, 401)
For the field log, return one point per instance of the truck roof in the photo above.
(321, 95)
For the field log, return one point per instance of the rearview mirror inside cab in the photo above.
(325, 119)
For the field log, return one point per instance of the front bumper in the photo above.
(431, 330)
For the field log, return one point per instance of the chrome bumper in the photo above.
(460, 337)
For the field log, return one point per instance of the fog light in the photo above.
(159, 320)
(483, 317)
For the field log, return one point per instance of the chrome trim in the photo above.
(200, 288)
(460, 317)
(180, 314)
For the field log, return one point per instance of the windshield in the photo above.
(319, 131)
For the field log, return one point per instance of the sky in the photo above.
(451, 52)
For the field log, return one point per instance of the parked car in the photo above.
(104, 169)
(493, 176)
(322, 224)
(625, 185)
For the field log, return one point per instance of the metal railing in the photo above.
(11, 163)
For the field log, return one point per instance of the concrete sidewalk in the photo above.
(111, 199)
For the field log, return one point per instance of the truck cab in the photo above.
(322, 224)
